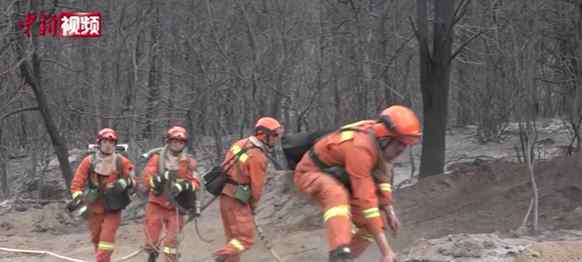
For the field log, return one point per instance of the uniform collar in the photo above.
(258, 143)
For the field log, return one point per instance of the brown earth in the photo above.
(478, 197)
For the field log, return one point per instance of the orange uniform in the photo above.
(102, 225)
(160, 210)
(357, 152)
(237, 216)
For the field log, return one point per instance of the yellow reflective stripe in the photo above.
(368, 237)
(179, 187)
(243, 157)
(76, 194)
(152, 182)
(170, 250)
(237, 244)
(236, 149)
(105, 245)
(352, 125)
(371, 212)
(343, 210)
(385, 187)
(346, 135)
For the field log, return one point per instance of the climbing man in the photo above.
(244, 187)
(169, 176)
(339, 172)
(102, 181)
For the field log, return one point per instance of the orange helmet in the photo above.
(178, 133)
(269, 126)
(402, 124)
(107, 134)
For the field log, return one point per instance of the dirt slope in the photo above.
(477, 197)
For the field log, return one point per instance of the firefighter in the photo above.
(102, 181)
(244, 187)
(354, 194)
(169, 176)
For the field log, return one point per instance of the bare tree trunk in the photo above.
(102, 96)
(366, 50)
(434, 81)
(529, 131)
(464, 104)
(336, 83)
(217, 141)
(4, 176)
(131, 95)
(23, 130)
(32, 171)
(3, 173)
(32, 76)
(171, 97)
(577, 67)
(154, 74)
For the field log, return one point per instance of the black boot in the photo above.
(341, 254)
(219, 259)
(153, 255)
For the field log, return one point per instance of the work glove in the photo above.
(157, 184)
(392, 219)
(253, 206)
(76, 195)
(180, 187)
(390, 258)
(75, 202)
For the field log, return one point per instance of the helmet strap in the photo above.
(384, 143)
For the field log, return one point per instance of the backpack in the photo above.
(296, 145)
(215, 179)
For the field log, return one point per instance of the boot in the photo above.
(219, 259)
(153, 256)
(341, 254)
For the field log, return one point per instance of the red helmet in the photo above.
(269, 126)
(107, 134)
(402, 124)
(178, 133)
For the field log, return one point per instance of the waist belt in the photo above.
(320, 164)
(337, 172)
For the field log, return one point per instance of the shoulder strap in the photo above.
(162, 161)
(236, 157)
(92, 157)
(119, 165)
(91, 174)
(346, 133)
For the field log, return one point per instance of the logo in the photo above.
(63, 24)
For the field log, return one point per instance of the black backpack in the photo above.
(215, 179)
(296, 145)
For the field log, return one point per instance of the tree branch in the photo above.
(421, 41)
(460, 10)
(32, 108)
(463, 45)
